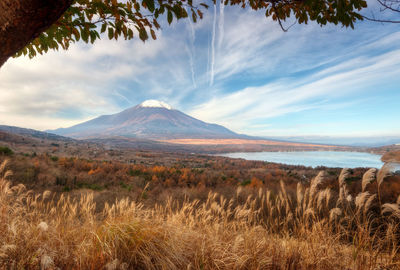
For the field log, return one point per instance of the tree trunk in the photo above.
(21, 21)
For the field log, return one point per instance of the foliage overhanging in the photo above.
(87, 20)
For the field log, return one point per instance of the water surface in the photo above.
(315, 158)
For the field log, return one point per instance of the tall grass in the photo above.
(310, 228)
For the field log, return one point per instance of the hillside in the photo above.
(33, 133)
(31, 141)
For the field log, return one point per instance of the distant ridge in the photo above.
(151, 119)
(33, 133)
(373, 141)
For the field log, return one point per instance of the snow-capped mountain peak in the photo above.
(151, 119)
(152, 103)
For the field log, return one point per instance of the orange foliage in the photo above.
(95, 171)
(256, 183)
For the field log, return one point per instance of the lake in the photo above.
(315, 158)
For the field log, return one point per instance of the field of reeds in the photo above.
(312, 227)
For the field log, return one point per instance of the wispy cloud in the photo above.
(192, 51)
(347, 80)
(234, 67)
(221, 21)
(212, 61)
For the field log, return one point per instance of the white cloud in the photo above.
(256, 71)
(237, 110)
(83, 82)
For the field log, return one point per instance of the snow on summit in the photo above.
(155, 103)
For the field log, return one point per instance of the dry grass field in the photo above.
(392, 156)
(312, 227)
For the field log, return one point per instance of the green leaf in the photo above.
(169, 16)
(136, 6)
(85, 35)
(184, 13)
(178, 11)
(143, 34)
(149, 4)
(92, 36)
(130, 33)
(110, 33)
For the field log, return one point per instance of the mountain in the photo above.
(151, 119)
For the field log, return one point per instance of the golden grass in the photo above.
(312, 229)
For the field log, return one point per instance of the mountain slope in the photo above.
(151, 120)
(33, 133)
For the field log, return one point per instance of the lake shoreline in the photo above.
(330, 159)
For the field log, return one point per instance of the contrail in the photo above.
(122, 96)
(191, 62)
(192, 32)
(221, 24)
(208, 53)
(192, 52)
(213, 47)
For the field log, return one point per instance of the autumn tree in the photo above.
(28, 27)
(256, 183)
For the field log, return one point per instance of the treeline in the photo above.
(192, 175)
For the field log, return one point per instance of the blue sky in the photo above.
(235, 68)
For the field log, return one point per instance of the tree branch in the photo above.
(21, 21)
